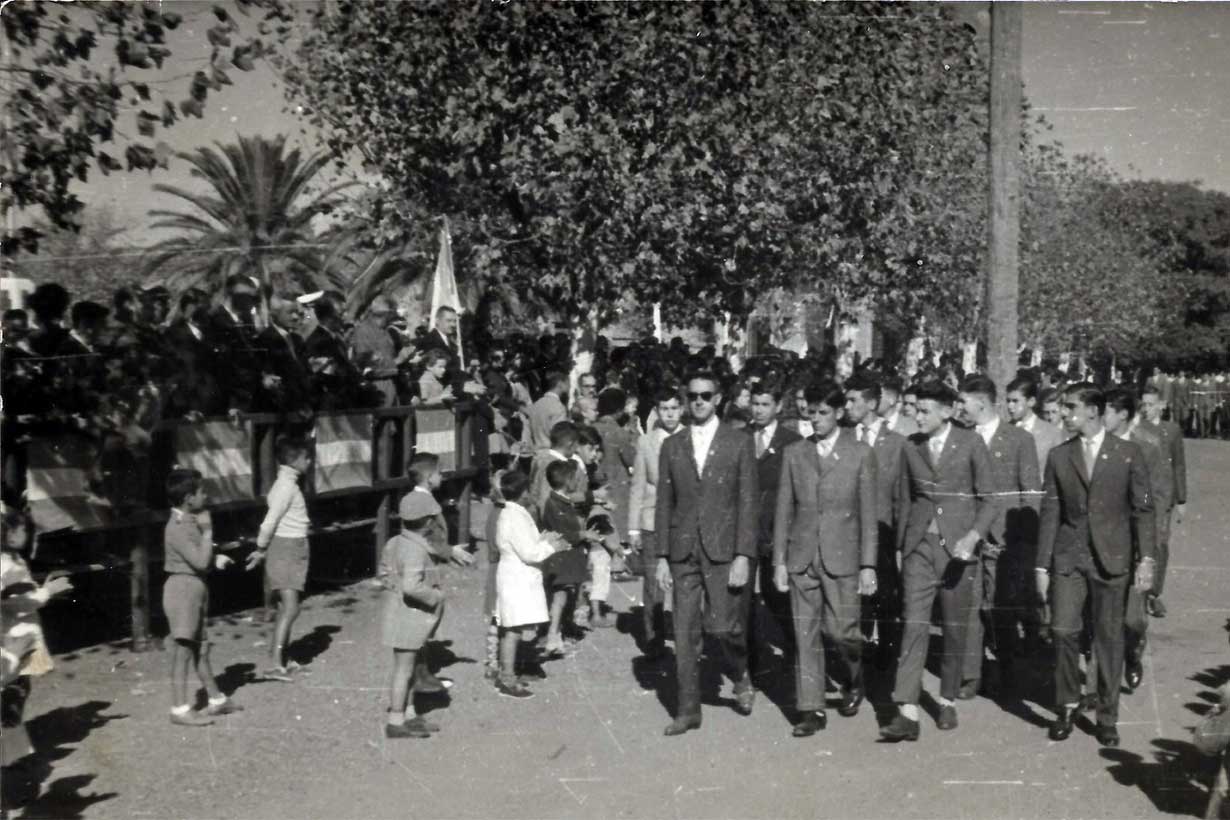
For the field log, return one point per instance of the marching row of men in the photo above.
(856, 518)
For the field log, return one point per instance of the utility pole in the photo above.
(1003, 288)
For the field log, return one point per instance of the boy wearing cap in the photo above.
(414, 604)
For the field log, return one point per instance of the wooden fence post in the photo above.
(139, 586)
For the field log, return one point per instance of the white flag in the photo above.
(444, 286)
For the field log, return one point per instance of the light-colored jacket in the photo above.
(644, 495)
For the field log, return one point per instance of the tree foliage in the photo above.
(66, 110)
(256, 218)
(1089, 281)
(693, 154)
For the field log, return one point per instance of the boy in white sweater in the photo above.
(283, 544)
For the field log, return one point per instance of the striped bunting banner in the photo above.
(57, 484)
(343, 451)
(435, 431)
(222, 453)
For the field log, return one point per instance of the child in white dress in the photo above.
(521, 601)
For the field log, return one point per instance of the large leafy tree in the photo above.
(255, 217)
(1191, 226)
(693, 154)
(82, 91)
(1090, 280)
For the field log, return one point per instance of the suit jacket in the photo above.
(1171, 437)
(193, 385)
(335, 385)
(234, 356)
(768, 474)
(1104, 510)
(1046, 437)
(714, 512)
(889, 448)
(825, 513)
(643, 499)
(544, 414)
(1161, 483)
(1017, 484)
(955, 493)
(285, 357)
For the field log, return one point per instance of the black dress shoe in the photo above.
(1108, 736)
(1061, 729)
(681, 724)
(1132, 673)
(901, 728)
(947, 719)
(851, 699)
(811, 723)
(968, 690)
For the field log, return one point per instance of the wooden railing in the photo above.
(134, 519)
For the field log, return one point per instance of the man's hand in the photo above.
(255, 558)
(781, 578)
(662, 574)
(592, 535)
(223, 561)
(556, 541)
(964, 549)
(739, 572)
(1144, 575)
(866, 581)
(1043, 582)
(461, 556)
(1180, 512)
(271, 381)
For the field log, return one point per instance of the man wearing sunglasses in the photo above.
(707, 517)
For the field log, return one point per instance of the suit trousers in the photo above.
(653, 615)
(882, 611)
(927, 571)
(1107, 604)
(777, 607)
(1161, 551)
(703, 602)
(826, 610)
(1001, 602)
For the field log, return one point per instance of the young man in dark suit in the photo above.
(883, 610)
(946, 477)
(1006, 556)
(770, 439)
(824, 552)
(1096, 506)
(1121, 419)
(706, 515)
(1153, 405)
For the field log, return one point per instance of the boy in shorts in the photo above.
(283, 544)
(185, 597)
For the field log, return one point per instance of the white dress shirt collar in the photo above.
(988, 429)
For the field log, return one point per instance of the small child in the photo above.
(520, 598)
(564, 571)
(189, 557)
(24, 653)
(414, 605)
(283, 544)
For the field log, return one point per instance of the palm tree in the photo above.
(257, 219)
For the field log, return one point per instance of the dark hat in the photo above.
(611, 401)
(150, 293)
